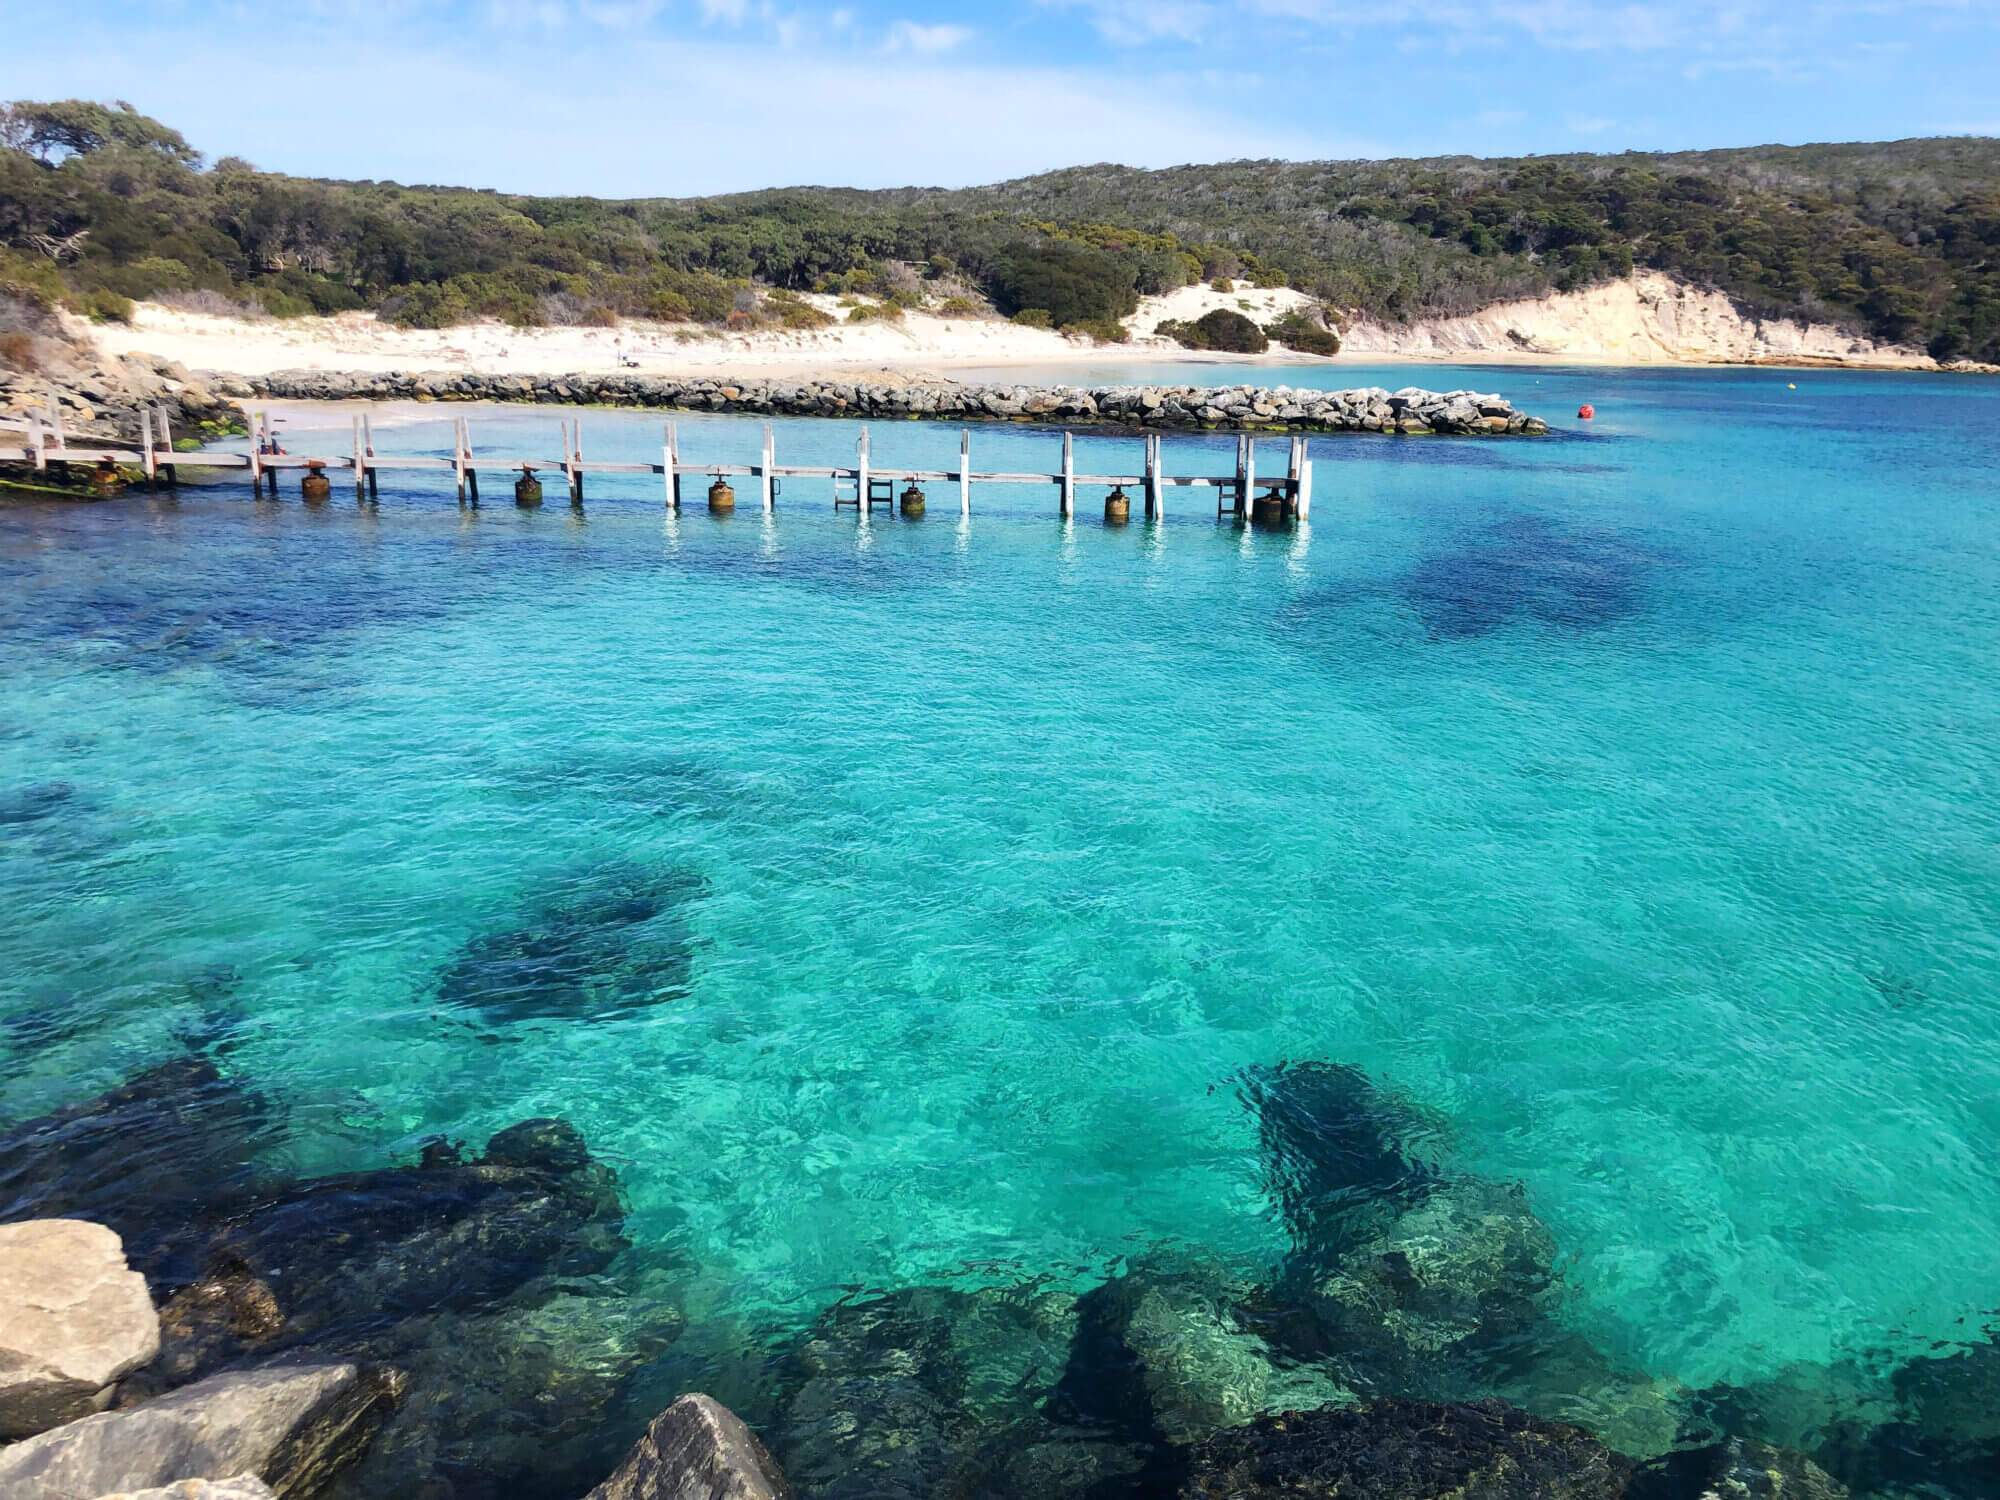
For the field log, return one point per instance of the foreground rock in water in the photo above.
(1406, 1450)
(1236, 408)
(696, 1449)
(242, 1487)
(73, 1320)
(292, 1427)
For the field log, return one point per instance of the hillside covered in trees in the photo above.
(1900, 240)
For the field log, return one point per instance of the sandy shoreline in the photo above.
(1646, 320)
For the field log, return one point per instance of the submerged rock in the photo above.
(1170, 1356)
(926, 1391)
(1409, 1281)
(1737, 1469)
(28, 803)
(349, 1255)
(218, 1320)
(597, 945)
(1341, 1152)
(291, 1426)
(1466, 1270)
(173, 1145)
(74, 1319)
(1405, 1450)
(697, 1449)
(512, 1400)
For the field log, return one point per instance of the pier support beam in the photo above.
(965, 471)
(764, 468)
(1248, 499)
(673, 463)
(1152, 476)
(861, 472)
(146, 448)
(1068, 478)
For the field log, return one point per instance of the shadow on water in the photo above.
(591, 945)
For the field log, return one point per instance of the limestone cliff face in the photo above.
(1647, 318)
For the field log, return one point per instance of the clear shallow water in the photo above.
(1628, 798)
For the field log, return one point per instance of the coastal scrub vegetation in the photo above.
(1898, 240)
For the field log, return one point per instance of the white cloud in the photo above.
(931, 41)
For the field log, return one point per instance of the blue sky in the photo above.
(674, 97)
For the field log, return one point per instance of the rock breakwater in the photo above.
(1242, 408)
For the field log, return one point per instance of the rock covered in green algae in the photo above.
(513, 1399)
(1469, 1263)
(926, 1391)
(1736, 1469)
(1405, 1450)
(1169, 1355)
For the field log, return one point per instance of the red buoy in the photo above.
(1586, 411)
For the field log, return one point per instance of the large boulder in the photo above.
(74, 1319)
(292, 1426)
(697, 1449)
(242, 1487)
(1406, 1450)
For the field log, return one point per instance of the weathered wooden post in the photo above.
(146, 447)
(1243, 475)
(471, 469)
(965, 471)
(576, 469)
(35, 441)
(1249, 476)
(257, 454)
(1295, 474)
(360, 465)
(368, 449)
(1152, 476)
(1068, 478)
(861, 473)
(764, 467)
(167, 445)
(1305, 485)
(458, 455)
(673, 460)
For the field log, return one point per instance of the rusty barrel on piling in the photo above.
(721, 498)
(912, 501)
(314, 486)
(1117, 506)
(527, 489)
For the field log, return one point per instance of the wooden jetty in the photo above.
(861, 486)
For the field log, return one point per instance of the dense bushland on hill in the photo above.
(1901, 239)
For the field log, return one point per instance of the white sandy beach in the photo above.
(1646, 319)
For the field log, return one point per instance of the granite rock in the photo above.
(74, 1319)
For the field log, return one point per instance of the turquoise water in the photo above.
(1628, 798)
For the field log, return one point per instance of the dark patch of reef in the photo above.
(1411, 411)
(1408, 1346)
(601, 942)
